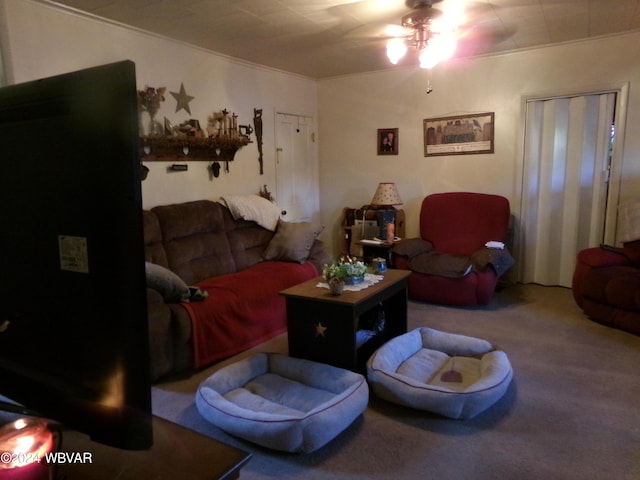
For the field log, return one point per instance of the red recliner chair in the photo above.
(606, 285)
(457, 226)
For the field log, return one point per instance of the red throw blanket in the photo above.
(243, 309)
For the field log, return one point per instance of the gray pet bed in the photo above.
(281, 402)
(449, 374)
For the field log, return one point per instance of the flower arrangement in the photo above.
(150, 99)
(345, 270)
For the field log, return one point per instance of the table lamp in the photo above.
(385, 198)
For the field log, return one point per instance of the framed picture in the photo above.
(459, 135)
(387, 141)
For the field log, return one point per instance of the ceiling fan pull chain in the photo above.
(429, 87)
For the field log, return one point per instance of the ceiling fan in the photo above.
(427, 32)
(432, 32)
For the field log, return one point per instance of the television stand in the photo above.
(177, 452)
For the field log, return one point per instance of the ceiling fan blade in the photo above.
(379, 31)
(479, 39)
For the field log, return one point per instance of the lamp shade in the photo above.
(386, 195)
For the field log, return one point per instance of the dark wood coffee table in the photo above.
(325, 328)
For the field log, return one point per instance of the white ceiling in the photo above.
(323, 38)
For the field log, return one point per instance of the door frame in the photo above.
(615, 174)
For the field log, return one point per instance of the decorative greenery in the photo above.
(150, 98)
(344, 268)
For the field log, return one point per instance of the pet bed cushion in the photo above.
(453, 375)
(281, 402)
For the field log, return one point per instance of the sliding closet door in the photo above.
(567, 148)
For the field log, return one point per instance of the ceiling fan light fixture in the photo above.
(453, 16)
(433, 35)
(445, 44)
(429, 57)
(421, 15)
(396, 49)
(439, 48)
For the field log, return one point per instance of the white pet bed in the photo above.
(281, 402)
(415, 370)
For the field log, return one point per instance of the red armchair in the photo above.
(606, 285)
(457, 226)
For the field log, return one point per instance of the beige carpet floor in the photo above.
(571, 412)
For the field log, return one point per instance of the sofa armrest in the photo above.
(169, 336)
(318, 255)
(598, 257)
(401, 262)
(160, 344)
(608, 257)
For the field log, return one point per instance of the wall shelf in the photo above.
(171, 149)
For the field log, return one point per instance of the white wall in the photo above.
(39, 41)
(352, 108)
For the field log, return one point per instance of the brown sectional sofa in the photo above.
(206, 247)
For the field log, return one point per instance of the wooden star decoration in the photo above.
(182, 99)
(320, 329)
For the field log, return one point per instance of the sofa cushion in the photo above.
(462, 222)
(243, 309)
(292, 241)
(153, 247)
(195, 239)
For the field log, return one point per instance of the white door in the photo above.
(296, 175)
(567, 164)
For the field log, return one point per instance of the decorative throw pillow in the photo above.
(292, 241)
(168, 284)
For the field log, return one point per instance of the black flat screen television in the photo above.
(73, 323)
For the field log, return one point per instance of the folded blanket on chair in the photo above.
(454, 266)
(499, 260)
(411, 247)
(423, 259)
(442, 264)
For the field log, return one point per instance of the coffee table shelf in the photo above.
(324, 328)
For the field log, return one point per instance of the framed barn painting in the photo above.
(459, 135)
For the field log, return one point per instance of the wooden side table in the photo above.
(350, 233)
(382, 250)
(325, 328)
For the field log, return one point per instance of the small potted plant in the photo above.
(345, 271)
